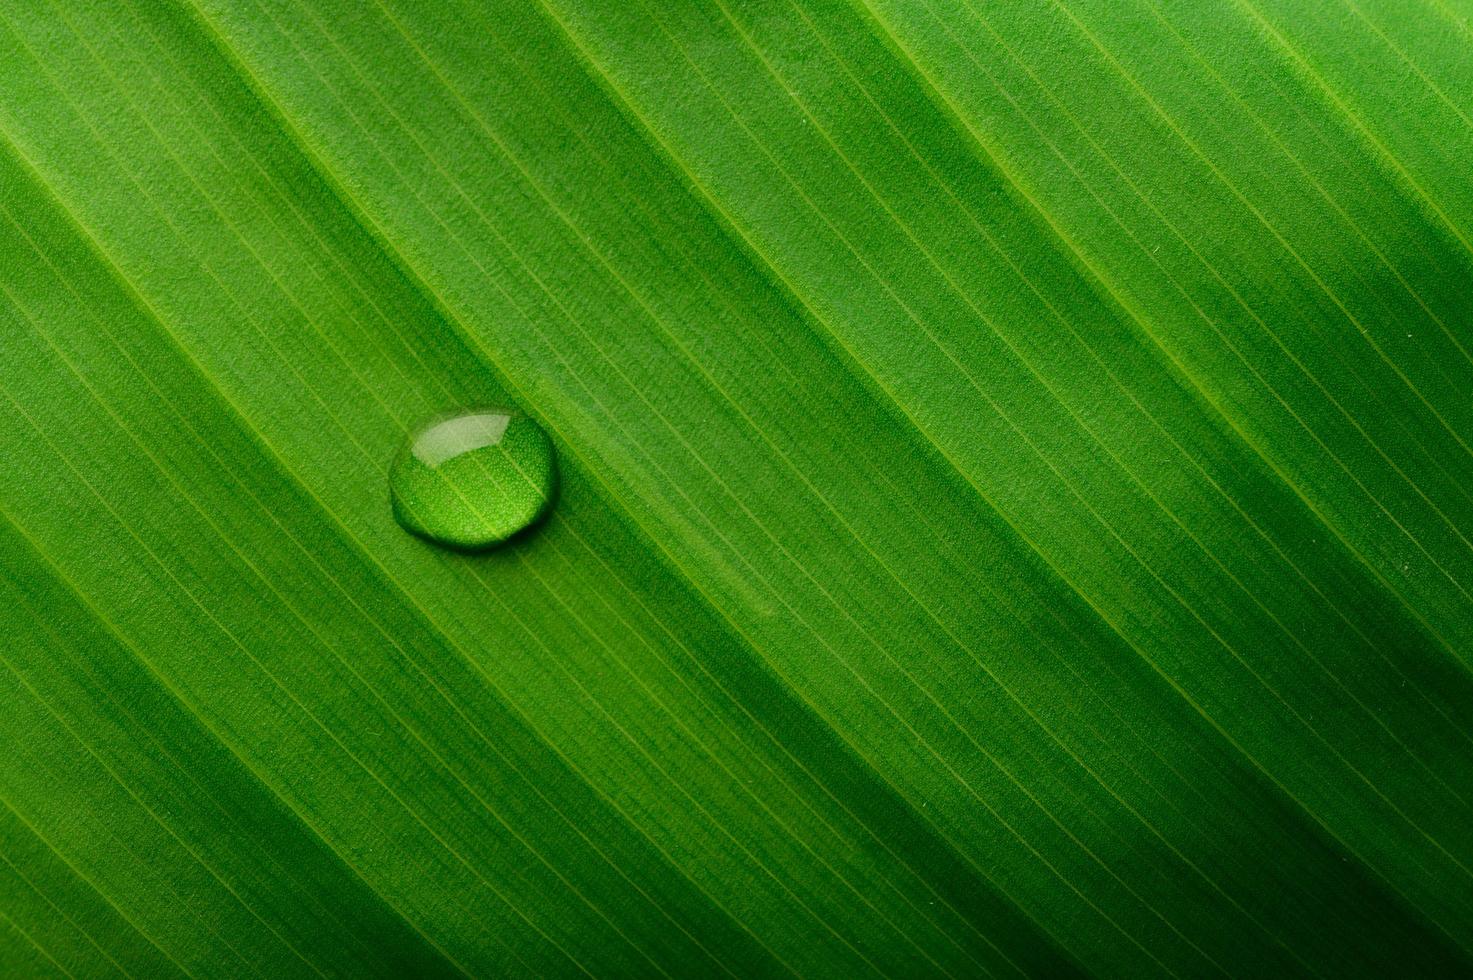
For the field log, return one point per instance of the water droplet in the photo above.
(471, 480)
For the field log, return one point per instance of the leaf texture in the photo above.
(1016, 510)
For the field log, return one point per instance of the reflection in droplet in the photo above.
(474, 479)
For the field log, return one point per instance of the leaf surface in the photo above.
(1015, 510)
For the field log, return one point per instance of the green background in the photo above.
(1016, 488)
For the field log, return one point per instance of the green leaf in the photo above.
(1016, 488)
